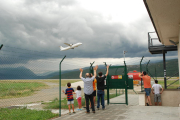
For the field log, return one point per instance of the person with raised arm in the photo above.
(88, 88)
(100, 88)
(147, 86)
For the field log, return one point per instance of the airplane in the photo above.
(70, 46)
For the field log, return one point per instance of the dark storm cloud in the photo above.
(44, 25)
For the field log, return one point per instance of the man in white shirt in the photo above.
(156, 91)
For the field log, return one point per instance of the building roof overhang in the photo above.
(165, 16)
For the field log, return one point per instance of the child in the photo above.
(69, 92)
(157, 93)
(78, 97)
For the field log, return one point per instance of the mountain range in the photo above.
(25, 73)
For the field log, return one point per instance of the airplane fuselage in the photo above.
(70, 47)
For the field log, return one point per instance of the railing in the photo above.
(152, 39)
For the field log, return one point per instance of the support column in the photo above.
(164, 65)
(178, 48)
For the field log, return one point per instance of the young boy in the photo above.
(69, 92)
(157, 93)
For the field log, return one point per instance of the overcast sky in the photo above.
(105, 27)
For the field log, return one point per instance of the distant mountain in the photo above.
(24, 73)
(17, 73)
(171, 68)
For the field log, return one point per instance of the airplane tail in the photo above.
(60, 47)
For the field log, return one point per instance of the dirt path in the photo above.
(43, 95)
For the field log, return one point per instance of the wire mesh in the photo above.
(28, 76)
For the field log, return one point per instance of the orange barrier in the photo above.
(135, 82)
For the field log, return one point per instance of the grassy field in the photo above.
(55, 103)
(173, 86)
(21, 88)
(13, 88)
(25, 114)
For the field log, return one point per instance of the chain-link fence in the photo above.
(156, 71)
(27, 76)
(31, 78)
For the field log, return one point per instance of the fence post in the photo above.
(1, 46)
(60, 86)
(141, 71)
(155, 73)
(147, 67)
(125, 74)
(91, 68)
(164, 66)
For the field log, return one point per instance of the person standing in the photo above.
(100, 88)
(156, 91)
(147, 86)
(88, 88)
(69, 92)
(78, 97)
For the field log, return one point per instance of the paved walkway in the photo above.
(123, 112)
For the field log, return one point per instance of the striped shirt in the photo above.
(69, 92)
(88, 85)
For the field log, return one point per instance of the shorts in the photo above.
(70, 102)
(157, 97)
(94, 93)
(148, 91)
(79, 100)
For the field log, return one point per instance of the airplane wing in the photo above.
(67, 44)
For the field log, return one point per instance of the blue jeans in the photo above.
(148, 91)
(100, 95)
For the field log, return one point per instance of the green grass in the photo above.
(22, 88)
(11, 89)
(55, 103)
(25, 114)
(173, 86)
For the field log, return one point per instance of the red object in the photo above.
(134, 74)
(114, 77)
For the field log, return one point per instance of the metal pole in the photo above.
(116, 91)
(91, 68)
(1, 46)
(164, 64)
(147, 67)
(124, 52)
(60, 86)
(126, 82)
(124, 55)
(155, 73)
(107, 84)
(141, 71)
(105, 63)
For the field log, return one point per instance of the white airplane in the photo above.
(70, 46)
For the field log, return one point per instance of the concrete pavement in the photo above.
(123, 112)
